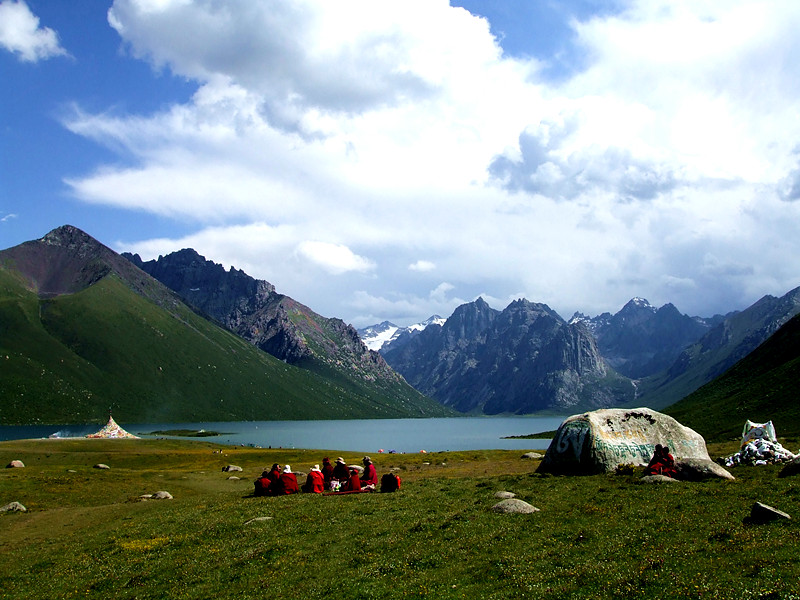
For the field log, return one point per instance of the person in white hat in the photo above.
(286, 483)
(315, 482)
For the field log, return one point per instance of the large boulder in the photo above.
(599, 441)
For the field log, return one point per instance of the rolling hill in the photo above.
(82, 331)
(762, 386)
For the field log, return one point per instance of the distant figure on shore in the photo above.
(315, 482)
(286, 483)
(662, 463)
(370, 477)
(327, 472)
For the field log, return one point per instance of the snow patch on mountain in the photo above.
(376, 336)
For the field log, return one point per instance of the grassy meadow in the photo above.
(87, 535)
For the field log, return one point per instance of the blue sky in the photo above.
(394, 159)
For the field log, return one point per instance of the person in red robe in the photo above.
(274, 473)
(662, 463)
(262, 484)
(285, 484)
(353, 483)
(370, 477)
(315, 482)
(327, 472)
(340, 471)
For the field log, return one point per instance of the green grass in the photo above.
(603, 536)
(70, 359)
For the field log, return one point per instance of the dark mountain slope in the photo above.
(763, 386)
(83, 330)
(641, 340)
(273, 322)
(719, 349)
(521, 360)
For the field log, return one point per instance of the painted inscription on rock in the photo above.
(600, 440)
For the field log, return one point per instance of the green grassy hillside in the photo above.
(763, 386)
(71, 358)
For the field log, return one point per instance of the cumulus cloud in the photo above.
(21, 34)
(329, 146)
(423, 266)
(334, 258)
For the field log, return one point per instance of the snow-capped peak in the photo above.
(376, 336)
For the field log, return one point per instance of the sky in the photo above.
(393, 159)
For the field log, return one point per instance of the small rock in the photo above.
(230, 468)
(233, 478)
(13, 507)
(514, 505)
(256, 519)
(15, 464)
(791, 468)
(162, 495)
(532, 456)
(504, 495)
(146, 497)
(658, 479)
(101, 466)
(761, 513)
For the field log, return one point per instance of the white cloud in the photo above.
(330, 145)
(422, 266)
(334, 258)
(21, 34)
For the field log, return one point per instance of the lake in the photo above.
(361, 435)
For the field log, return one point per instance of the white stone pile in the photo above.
(759, 452)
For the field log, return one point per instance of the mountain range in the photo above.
(83, 330)
(527, 359)
(523, 359)
(179, 338)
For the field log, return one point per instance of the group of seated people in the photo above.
(338, 478)
(662, 463)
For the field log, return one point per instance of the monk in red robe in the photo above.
(662, 463)
(285, 484)
(315, 482)
(370, 476)
(353, 484)
(327, 472)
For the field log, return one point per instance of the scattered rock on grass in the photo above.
(256, 519)
(101, 466)
(162, 495)
(514, 505)
(792, 468)
(233, 478)
(761, 513)
(13, 507)
(504, 495)
(658, 479)
(230, 468)
(15, 464)
(532, 455)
